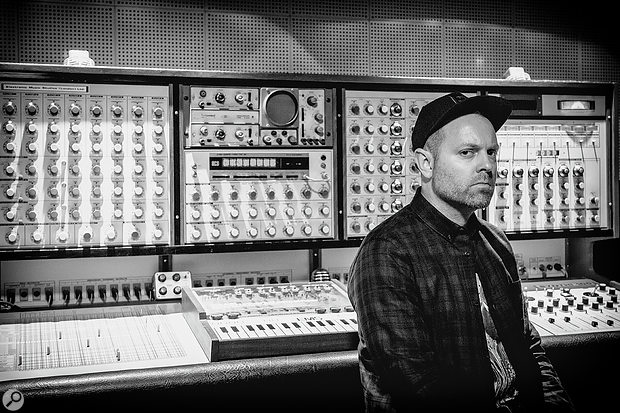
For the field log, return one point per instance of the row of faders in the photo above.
(84, 165)
(258, 164)
(380, 176)
(552, 174)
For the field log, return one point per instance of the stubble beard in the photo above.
(462, 195)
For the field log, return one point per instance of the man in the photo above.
(442, 320)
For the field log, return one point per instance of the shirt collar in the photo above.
(439, 222)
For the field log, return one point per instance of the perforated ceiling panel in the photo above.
(8, 35)
(278, 7)
(349, 9)
(160, 38)
(48, 31)
(330, 46)
(424, 10)
(547, 56)
(477, 51)
(405, 49)
(479, 11)
(245, 43)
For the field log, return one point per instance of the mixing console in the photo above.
(255, 321)
(566, 307)
(60, 342)
(84, 165)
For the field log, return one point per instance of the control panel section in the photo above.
(257, 117)
(232, 196)
(552, 175)
(84, 165)
(380, 177)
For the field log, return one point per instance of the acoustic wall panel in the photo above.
(547, 55)
(330, 46)
(48, 31)
(278, 7)
(477, 51)
(479, 11)
(348, 9)
(247, 43)
(600, 60)
(8, 30)
(177, 4)
(423, 55)
(429, 11)
(165, 38)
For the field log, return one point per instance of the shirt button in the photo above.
(467, 254)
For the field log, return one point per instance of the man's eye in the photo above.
(466, 152)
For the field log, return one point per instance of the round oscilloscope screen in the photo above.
(281, 108)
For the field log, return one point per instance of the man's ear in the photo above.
(424, 161)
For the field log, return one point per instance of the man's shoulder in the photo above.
(493, 229)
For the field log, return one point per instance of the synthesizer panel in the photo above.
(84, 165)
(553, 174)
(380, 177)
(259, 164)
(256, 321)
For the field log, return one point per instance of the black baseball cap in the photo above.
(446, 108)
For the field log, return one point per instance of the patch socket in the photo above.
(545, 267)
(241, 278)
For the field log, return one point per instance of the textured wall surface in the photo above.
(436, 38)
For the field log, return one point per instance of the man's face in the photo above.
(465, 168)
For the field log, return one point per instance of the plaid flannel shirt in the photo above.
(422, 339)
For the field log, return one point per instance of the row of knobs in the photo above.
(270, 212)
(395, 168)
(74, 128)
(394, 110)
(253, 232)
(53, 109)
(384, 206)
(579, 218)
(252, 194)
(548, 171)
(74, 191)
(395, 129)
(53, 170)
(395, 187)
(12, 237)
(75, 214)
(395, 148)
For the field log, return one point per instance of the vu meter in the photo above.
(258, 163)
